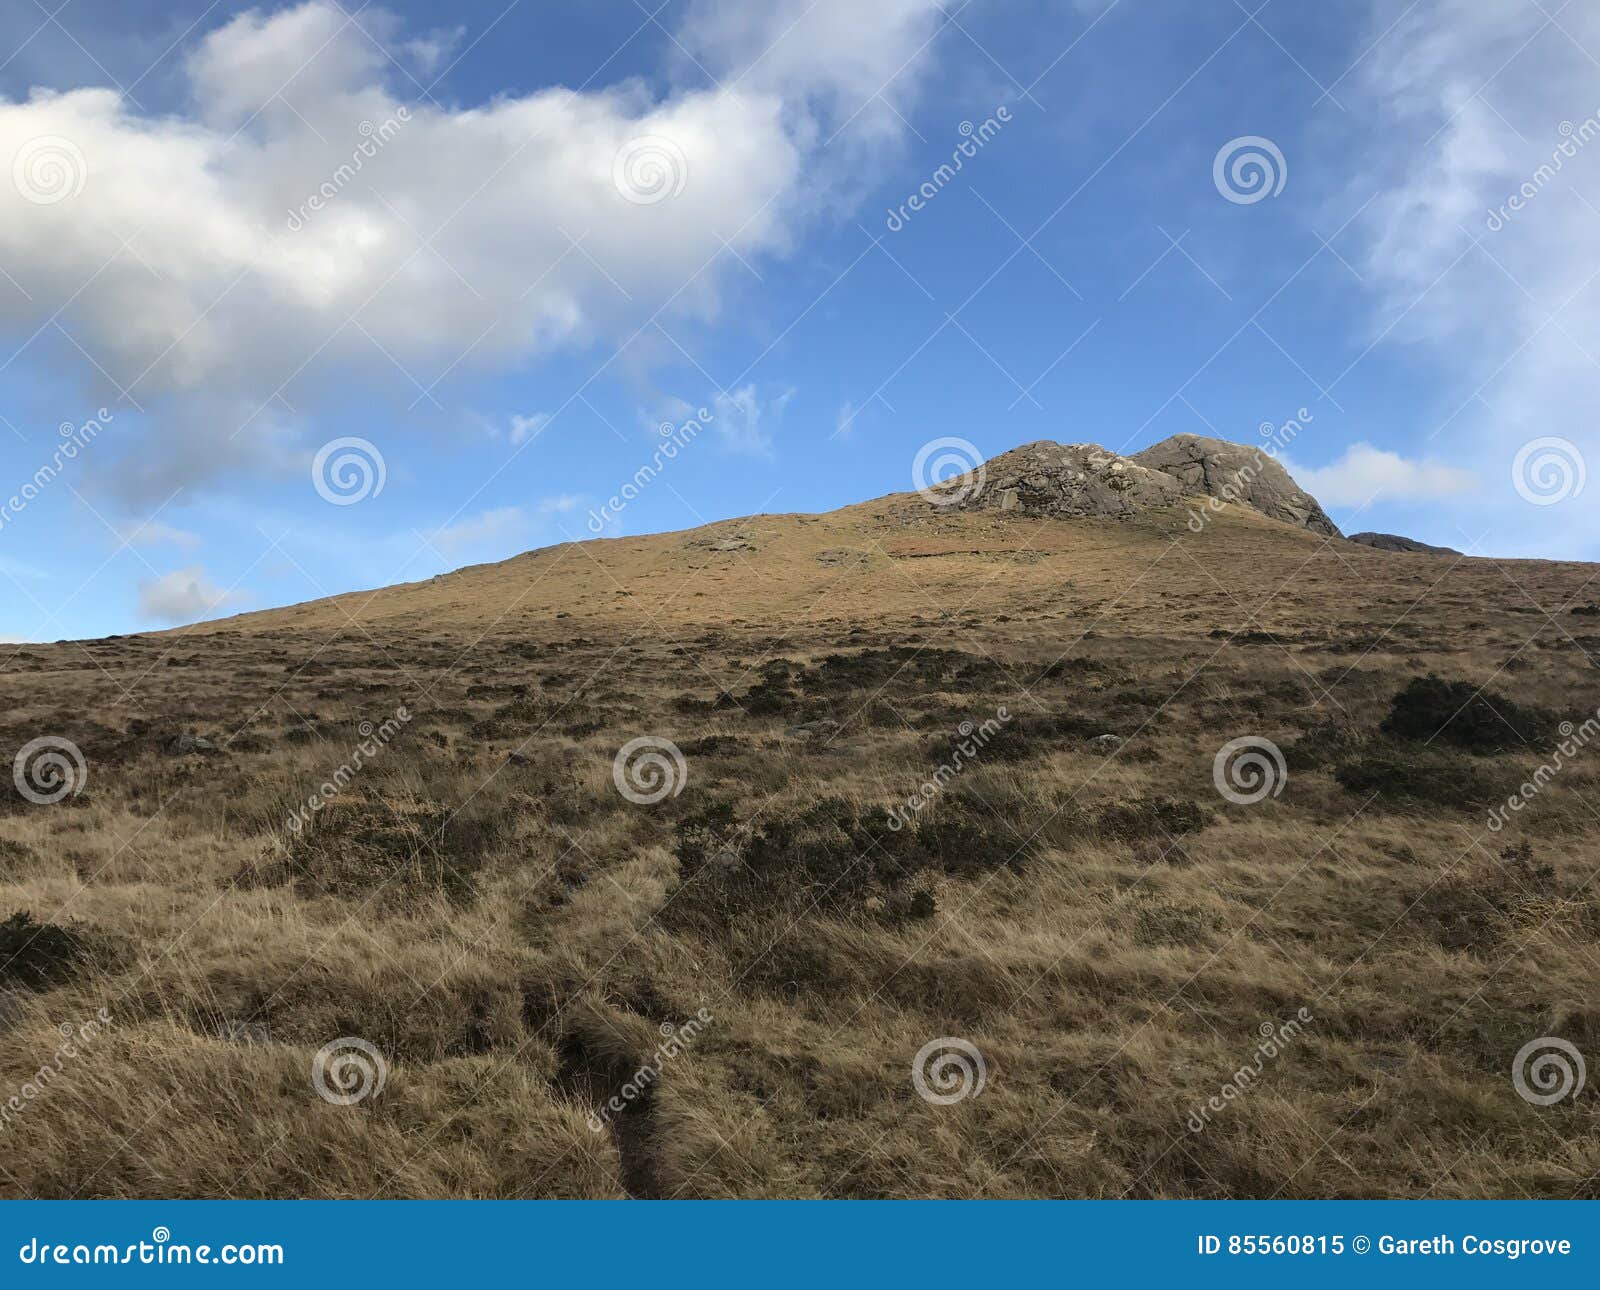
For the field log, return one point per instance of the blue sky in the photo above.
(569, 225)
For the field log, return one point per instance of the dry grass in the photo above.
(516, 939)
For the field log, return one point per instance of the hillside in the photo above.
(920, 848)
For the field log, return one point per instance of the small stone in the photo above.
(843, 555)
(813, 729)
(186, 743)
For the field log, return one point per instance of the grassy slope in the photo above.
(1109, 932)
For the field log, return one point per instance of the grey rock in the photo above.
(185, 744)
(1106, 743)
(1067, 480)
(820, 729)
(1394, 542)
(1236, 472)
(732, 544)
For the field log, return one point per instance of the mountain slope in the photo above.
(909, 850)
(1025, 537)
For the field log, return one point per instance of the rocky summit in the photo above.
(790, 811)
(1234, 472)
(1067, 481)
(1084, 480)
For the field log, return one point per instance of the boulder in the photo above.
(1065, 480)
(1236, 472)
(1394, 542)
(186, 744)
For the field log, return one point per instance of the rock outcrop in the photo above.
(1078, 480)
(1066, 480)
(1394, 542)
(1234, 472)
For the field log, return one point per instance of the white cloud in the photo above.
(745, 423)
(498, 528)
(431, 52)
(153, 532)
(1479, 106)
(524, 428)
(446, 243)
(180, 597)
(1367, 474)
(838, 58)
(500, 532)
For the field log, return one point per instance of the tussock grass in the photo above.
(518, 940)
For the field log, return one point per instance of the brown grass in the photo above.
(518, 941)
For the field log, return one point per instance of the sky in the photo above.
(305, 298)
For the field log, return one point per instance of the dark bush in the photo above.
(1471, 909)
(1039, 734)
(355, 846)
(829, 858)
(38, 955)
(1465, 715)
(1150, 817)
(904, 665)
(1432, 780)
(1323, 746)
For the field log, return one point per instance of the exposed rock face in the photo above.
(1073, 480)
(1068, 480)
(1236, 472)
(1394, 542)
